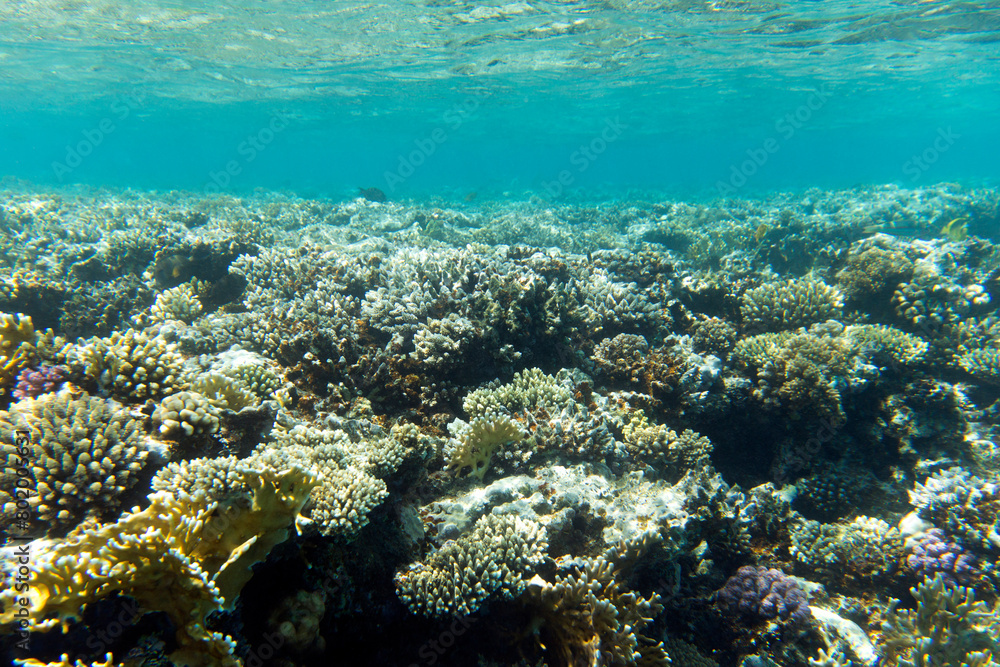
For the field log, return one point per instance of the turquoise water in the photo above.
(499, 98)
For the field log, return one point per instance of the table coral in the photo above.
(184, 555)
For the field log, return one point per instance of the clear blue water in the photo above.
(499, 99)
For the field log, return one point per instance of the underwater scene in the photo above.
(576, 333)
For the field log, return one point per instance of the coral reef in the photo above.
(788, 305)
(184, 555)
(496, 556)
(948, 627)
(85, 453)
(764, 593)
(531, 413)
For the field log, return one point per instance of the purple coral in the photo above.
(759, 592)
(934, 554)
(33, 382)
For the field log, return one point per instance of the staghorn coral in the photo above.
(755, 351)
(713, 336)
(459, 577)
(44, 379)
(587, 616)
(932, 553)
(343, 500)
(864, 549)
(961, 504)
(85, 453)
(948, 628)
(132, 365)
(530, 389)
(223, 391)
(873, 273)
(184, 555)
(806, 374)
(474, 445)
(794, 303)
(886, 345)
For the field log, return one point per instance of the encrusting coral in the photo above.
(185, 555)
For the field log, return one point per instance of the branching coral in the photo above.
(463, 574)
(17, 339)
(132, 365)
(589, 617)
(948, 628)
(794, 303)
(86, 452)
(185, 555)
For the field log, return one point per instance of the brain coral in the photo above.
(762, 593)
(86, 452)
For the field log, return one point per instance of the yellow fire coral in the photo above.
(185, 555)
(476, 443)
(17, 337)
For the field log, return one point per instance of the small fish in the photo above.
(957, 230)
(373, 194)
(894, 230)
(761, 232)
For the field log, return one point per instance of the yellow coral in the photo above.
(477, 443)
(184, 555)
(17, 343)
(64, 662)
